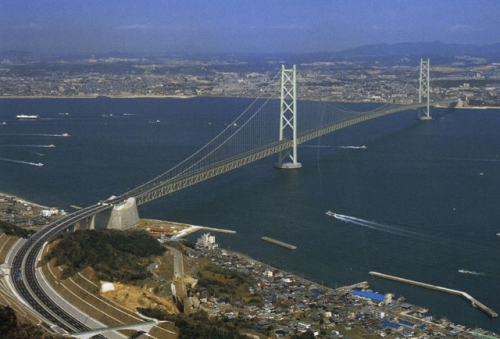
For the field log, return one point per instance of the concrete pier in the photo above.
(219, 230)
(465, 295)
(280, 243)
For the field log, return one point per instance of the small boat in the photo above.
(4, 123)
(39, 164)
(63, 113)
(464, 271)
(65, 135)
(24, 116)
(331, 214)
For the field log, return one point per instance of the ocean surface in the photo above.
(419, 201)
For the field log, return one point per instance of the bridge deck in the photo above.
(182, 181)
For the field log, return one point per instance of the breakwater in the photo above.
(464, 295)
(280, 243)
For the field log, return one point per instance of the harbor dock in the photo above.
(464, 295)
(219, 230)
(280, 243)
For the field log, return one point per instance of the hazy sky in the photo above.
(171, 26)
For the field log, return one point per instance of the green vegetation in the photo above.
(11, 229)
(114, 255)
(200, 326)
(10, 328)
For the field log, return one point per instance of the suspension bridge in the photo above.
(255, 134)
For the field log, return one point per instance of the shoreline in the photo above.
(181, 96)
(3, 194)
(174, 96)
(194, 228)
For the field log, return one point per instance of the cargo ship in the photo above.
(23, 116)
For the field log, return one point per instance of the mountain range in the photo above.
(388, 52)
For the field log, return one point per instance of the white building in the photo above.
(207, 241)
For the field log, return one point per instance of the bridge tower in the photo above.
(423, 91)
(288, 118)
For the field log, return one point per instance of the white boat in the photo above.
(464, 271)
(65, 135)
(4, 123)
(24, 116)
(39, 164)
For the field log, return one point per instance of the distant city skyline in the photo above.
(240, 26)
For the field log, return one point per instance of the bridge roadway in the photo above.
(24, 266)
(24, 262)
(156, 190)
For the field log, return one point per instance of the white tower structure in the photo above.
(288, 117)
(424, 89)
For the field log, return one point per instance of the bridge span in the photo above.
(121, 211)
(182, 181)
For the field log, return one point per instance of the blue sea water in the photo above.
(420, 201)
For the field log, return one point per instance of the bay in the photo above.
(421, 199)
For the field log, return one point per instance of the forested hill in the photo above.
(114, 255)
(11, 229)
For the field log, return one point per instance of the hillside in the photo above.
(114, 255)
(11, 229)
(12, 328)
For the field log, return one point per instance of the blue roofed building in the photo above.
(369, 295)
(390, 324)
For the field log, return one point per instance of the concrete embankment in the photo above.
(279, 243)
(465, 295)
(218, 230)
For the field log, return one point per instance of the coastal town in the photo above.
(475, 80)
(284, 305)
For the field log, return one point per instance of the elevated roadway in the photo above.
(24, 266)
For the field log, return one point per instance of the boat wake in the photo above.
(37, 135)
(328, 146)
(42, 146)
(381, 227)
(39, 164)
(471, 272)
(353, 147)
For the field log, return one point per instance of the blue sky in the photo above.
(197, 26)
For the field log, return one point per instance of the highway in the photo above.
(24, 266)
